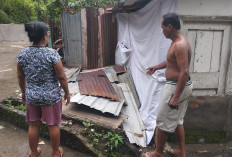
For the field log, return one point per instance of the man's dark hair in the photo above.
(172, 19)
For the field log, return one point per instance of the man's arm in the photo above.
(63, 80)
(21, 80)
(181, 53)
(152, 69)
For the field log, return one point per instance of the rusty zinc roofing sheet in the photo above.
(96, 83)
(118, 69)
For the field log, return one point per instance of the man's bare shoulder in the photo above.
(181, 45)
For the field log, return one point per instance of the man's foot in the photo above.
(151, 154)
(174, 153)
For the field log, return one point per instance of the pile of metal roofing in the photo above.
(110, 89)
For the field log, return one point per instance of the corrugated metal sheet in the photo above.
(109, 38)
(111, 74)
(98, 103)
(127, 107)
(71, 73)
(89, 39)
(92, 38)
(71, 32)
(100, 38)
(118, 69)
(133, 126)
(127, 78)
(96, 83)
(85, 113)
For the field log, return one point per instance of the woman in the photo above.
(39, 72)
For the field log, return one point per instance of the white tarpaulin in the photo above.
(141, 45)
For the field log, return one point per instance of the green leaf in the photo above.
(116, 143)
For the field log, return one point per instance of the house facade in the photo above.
(207, 24)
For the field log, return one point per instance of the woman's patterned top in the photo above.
(42, 86)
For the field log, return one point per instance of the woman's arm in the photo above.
(63, 80)
(21, 80)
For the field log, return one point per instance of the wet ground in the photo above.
(200, 150)
(14, 141)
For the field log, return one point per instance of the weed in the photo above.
(14, 104)
(87, 125)
(111, 141)
(8, 102)
(21, 107)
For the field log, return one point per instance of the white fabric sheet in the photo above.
(141, 45)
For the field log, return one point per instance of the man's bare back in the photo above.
(179, 56)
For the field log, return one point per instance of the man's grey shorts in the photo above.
(168, 118)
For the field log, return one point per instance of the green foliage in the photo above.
(87, 125)
(8, 102)
(19, 11)
(55, 7)
(54, 10)
(4, 19)
(78, 4)
(22, 11)
(14, 104)
(21, 107)
(41, 9)
(111, 141)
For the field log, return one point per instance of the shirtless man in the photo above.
(177, 89)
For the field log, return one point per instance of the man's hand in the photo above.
(174, 103)
(67, 98)
(151, 70)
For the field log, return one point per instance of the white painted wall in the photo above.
(13, 32)
(205, 7)
(202, 12)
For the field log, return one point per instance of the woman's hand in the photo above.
(24, 98)
(67, 98)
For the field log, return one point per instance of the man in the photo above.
(177, 89)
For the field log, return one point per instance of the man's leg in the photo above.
(33, 134)
(54, 134)
(161, 139)
(180, 135)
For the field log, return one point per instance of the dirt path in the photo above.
(8, 72)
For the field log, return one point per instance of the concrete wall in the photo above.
(13, 32)
(205, 7)
(209, 117)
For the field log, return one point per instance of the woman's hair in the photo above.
(172, 19)
(36, 30)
